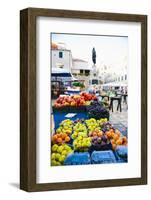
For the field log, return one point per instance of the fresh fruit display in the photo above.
(99, 140)
(97, 110)
(86, 135)
(82, 144)
(59, 153)
(96, 133)
(79, 129)
(92, 124)
(88, 97)
(74, 100)
(60, 138)
(62, 134)
(115, 137)
(65, 127)
(101, 143)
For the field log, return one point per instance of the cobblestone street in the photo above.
(119, 119)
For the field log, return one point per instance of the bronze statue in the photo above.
(94, 55)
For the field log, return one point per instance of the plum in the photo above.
(99, 140)
(103, 143)
(104, 138)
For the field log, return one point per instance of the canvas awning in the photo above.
(59, 72)
(115, 84)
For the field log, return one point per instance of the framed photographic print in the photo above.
(83, 99)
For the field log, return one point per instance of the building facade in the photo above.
(61, 57)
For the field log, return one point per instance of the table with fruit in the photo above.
(84, 106)
(79, 141)
(81, 99)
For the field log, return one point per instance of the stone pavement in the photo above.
(120, 119)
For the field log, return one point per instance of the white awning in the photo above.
(115, 84)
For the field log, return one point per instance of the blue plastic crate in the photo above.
(121, 154)
(101, 157)
(78, 159)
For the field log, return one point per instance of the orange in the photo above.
(67, 139)
(113, 146)
(112, 141)
(100, 134)
(64, 135)
(59, 140)
(112, 134)
(115, 137)
(119, 141)
(124, 139)
(54, 137)
(94, 134)
(117, 132)
(108, 133)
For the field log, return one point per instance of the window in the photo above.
(125, 77)
(87, 72)
(81, 71)
(60, 54)
(121, 78)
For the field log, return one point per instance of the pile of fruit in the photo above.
(92, 124)
(82, 143)
(60, 138)
(84, 136)
(88, 97)
(62, 134)
(82, 99)
(59, 154)
(97, 110)
(79, 129)
(65, 127)
(116, 139)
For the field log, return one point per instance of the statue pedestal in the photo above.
(94, 79)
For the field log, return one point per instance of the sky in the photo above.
(110, 50)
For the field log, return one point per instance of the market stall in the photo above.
(61, 79)
(83, 133)
(87, 141)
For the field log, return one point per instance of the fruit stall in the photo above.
(87, 137)
(87, 141)
(84, 105)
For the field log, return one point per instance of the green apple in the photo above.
(60, 149)
(62, 158)
(64, 152)
(54, 148)
(57, 156)
(53, 156)
(53, 162)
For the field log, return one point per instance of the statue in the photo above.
(94, 56)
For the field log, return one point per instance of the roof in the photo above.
(59, 46)
(54, 45)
